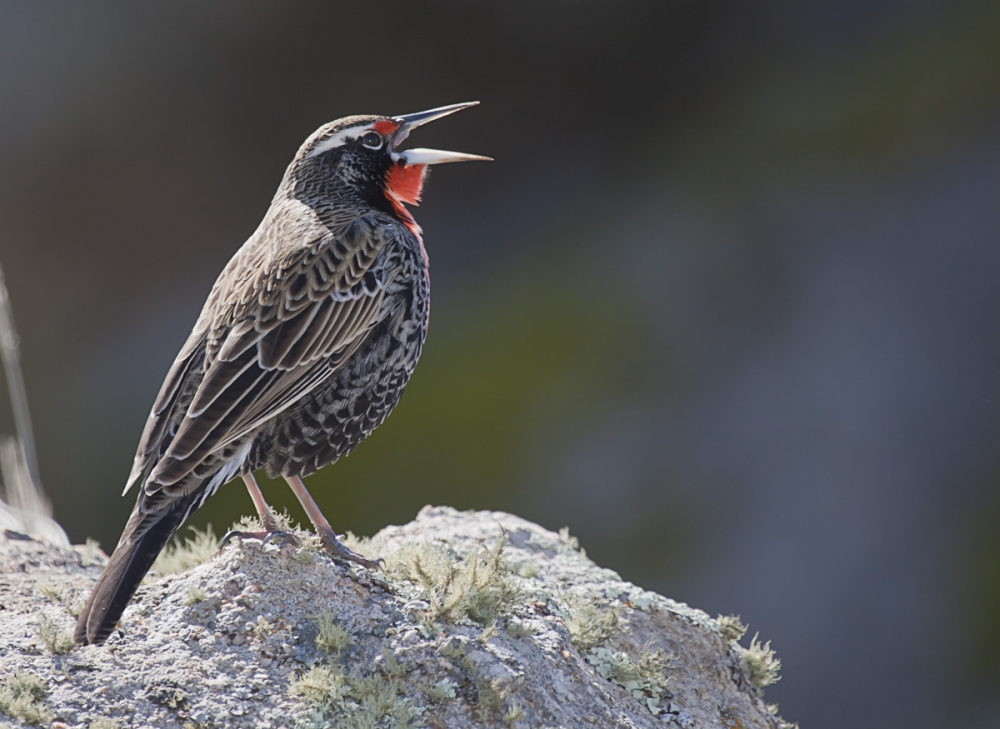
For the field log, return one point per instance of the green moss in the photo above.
(90, 552)
(391, 666)
(180, 556)
(513, 714)
(643, 677)
(570, 541)
(54, 636)
(489, 632)
(194, 596)
(63, 594)
(22, 695)
(103, 723)
(590, 623)
(305, 554)
(440, 692)
(322, 687)
(361, 545)
(330, 636)
(282, 519)
(376, 694)
(452, 649)
(520, 629)
(782, 724)
(730, 627)
(167, 693)
(54, 592)
(763, 666)
(469, 665)
(263, 628)
(479, 586)
(527, 569)
(494, 701)
(490, 699)
(356, 702)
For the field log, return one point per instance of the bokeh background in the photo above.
(726, 304)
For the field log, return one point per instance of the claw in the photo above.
(231, 535)
(335, 547)
(286, 538)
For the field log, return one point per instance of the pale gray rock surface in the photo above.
(451, 635)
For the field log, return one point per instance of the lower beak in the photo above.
(419, 156)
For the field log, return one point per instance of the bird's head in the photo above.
(356, 161)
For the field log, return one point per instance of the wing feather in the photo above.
(191, 435)
(240, 338)
(309, 339)
(274, 346)
(293, 385)
(294, 322)
(218, 379)
(162, 414)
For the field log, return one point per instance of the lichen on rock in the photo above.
(479, 619)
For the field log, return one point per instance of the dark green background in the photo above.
(726, 304)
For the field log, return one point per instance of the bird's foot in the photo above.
(265, 537)
(336, 548)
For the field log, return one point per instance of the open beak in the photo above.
(419, 156)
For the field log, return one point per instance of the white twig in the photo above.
(9, 350)
(26, 509)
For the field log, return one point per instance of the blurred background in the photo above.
(726, 304)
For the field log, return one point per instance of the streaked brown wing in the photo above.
(307, 318)
(238, 395)
(292, 385)
(167, 402)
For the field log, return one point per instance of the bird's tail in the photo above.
(129, 563)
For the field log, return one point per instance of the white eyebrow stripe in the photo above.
(338, 139)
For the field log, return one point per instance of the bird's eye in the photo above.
(372, 140)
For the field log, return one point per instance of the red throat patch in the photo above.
(403, 184)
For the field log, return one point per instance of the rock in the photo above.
(480, 619)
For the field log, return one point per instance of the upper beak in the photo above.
(409, 122)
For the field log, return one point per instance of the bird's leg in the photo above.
(263, 510)
(267, 519)
(323, 529)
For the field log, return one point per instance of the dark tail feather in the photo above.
(130, 562)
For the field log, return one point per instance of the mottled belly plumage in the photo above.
(332, 420)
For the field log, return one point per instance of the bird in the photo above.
(303, 347)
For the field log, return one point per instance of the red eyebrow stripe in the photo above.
(385, 126)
